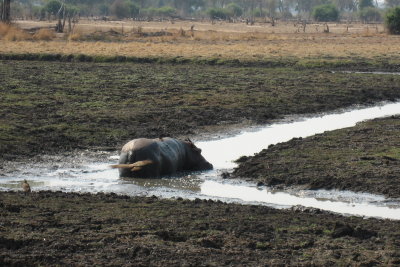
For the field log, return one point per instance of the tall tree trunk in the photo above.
(7, 8)
(5, 11)
(64, 18)
(1, 10)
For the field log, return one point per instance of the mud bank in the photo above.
(48, 107)
(54, 228)
(364, 158)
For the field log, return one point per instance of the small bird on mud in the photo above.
(26, 187)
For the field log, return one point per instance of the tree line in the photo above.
(321, 10)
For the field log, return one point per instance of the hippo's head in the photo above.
(194, 160)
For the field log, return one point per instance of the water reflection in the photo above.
(221, 153)
(358, 205)
(87, 173)
(372, 72)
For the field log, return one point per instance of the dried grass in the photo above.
(223, 41)
(75, 36)
(4, 29)
(15, 34)
(12, 33)
(44, 35)
(355, 46)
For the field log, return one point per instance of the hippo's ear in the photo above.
(192, 145)
(195, 148)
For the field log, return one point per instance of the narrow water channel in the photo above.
(89, 172)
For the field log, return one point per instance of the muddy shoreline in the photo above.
(55, 228)
(48, 107)
(364, 158)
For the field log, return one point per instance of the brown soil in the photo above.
(54, 228)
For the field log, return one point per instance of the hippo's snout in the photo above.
(207, 166)
(210, 166)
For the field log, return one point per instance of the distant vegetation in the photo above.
(367, 12)
(392, 20)
(68, 12)
(370, 14)
(327, 12)
(321, 10)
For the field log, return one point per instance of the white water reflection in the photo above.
(372, 72)
(87, 173)
(221, 153)
(350, 204)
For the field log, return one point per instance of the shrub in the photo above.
(11, 33)
(17, 35)
(369, 14)
(326, 12)
(4, 28)
(257, 12)
(119, 9)
(234, 9)
(151, 11)
(44, 35)
(166, 11)
(104, 9)
(392, 20)
(133, 9)
(217, 13)
(75, 36)
(52, 7)
(286, 14)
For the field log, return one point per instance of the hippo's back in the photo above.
(138, 144)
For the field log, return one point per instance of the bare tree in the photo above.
(63, 14)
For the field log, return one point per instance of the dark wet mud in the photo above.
(54, 228)
(364, 158)
(48, 107)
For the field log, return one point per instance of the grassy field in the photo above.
(222, 40)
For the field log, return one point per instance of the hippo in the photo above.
(153, 158)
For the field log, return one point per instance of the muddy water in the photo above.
(88, 172)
